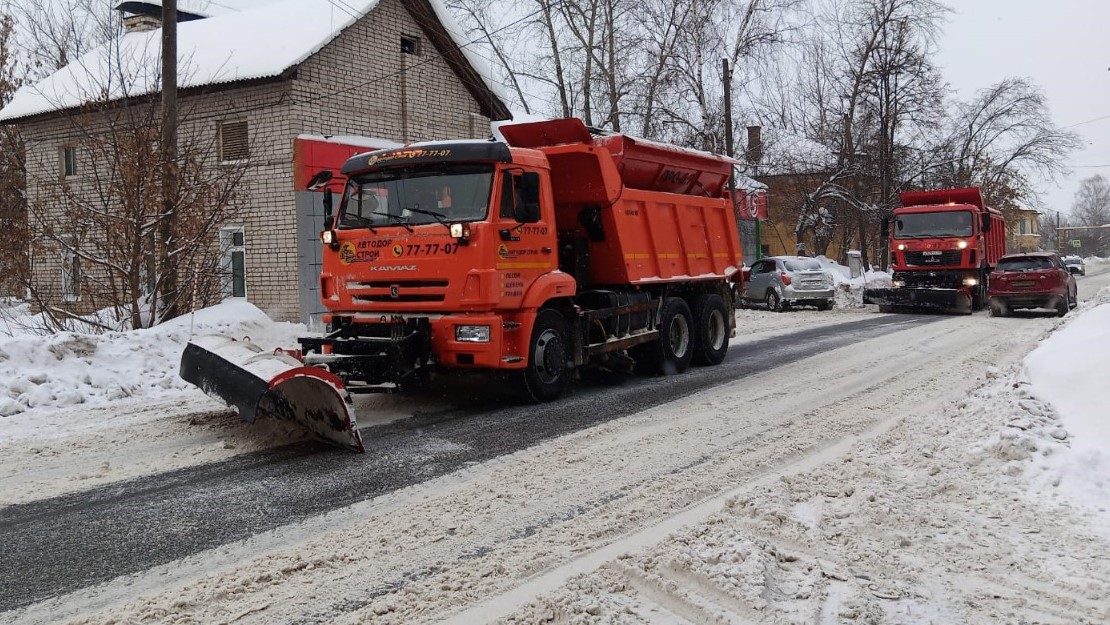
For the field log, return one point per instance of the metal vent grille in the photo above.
(234, 142)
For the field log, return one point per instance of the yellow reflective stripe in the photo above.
(523, 265)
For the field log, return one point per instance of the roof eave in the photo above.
(287, 75)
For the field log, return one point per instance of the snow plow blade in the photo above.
(947, 300)
(261, 383)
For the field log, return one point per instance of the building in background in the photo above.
(252, 81)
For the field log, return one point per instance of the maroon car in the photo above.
(1031, 280)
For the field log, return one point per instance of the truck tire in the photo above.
(547, 373)
(979, 295)
(774, 302)
(671, 354)
(710, 330)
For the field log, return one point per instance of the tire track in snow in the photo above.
(77, 540)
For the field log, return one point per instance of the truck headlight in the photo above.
(897, 283)
(969, 281)
(901, 247)
(472, 334)
(962, 245)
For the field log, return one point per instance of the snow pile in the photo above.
(1069, 371)
(70, 368)
(849, 290)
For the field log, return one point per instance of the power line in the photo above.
(1089, 121)
(343, 6)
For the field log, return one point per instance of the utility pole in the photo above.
(726, 74)
(726, 78)
(168, 224)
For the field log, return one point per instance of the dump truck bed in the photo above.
(650, 212)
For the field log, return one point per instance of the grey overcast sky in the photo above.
(1063, 46)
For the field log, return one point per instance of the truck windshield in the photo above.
(417, 195)
(940, 224)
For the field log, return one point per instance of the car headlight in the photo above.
(969, 281)
(472, 334)
(898, 283)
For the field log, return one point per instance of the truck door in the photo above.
(525, 250)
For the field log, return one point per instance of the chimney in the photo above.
(146, 15)
(754, 152)
(140, 23)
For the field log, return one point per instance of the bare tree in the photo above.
(1092, 208)
(101, 254)
(14, 261)
(1000, 140)
(864, 88)
(55, 32)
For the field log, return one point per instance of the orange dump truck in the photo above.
(540, 256)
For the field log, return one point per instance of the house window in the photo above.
(71, 269)
(234, 144)
(233, 279)
(410, 45)
(1021, 227)
(69, 160)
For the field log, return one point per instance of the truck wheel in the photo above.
(710, 330)
(671, 354)
(774, 302)
(547, 373)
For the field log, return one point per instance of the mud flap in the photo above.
(261, 383)
(947, 300)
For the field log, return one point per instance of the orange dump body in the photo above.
(648, 212)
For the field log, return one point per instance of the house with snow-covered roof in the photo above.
(253, 75)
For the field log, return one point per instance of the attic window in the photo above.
(234, 144)
(410, 45)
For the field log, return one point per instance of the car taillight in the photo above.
(785, 278)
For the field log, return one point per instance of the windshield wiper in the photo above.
(440, 217)
(396, 218)
(356, 221)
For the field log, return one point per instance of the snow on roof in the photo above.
(370, 143)
(260, 42)
(744, 182)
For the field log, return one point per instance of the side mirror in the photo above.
(321, 178)
(528, 211)
(987, 222)
(328, 202)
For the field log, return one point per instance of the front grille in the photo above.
(945, 258)
(398, 291)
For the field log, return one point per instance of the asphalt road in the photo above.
(56, 546)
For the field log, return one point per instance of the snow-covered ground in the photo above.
(962, 480)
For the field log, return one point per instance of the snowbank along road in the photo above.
(846, 472)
